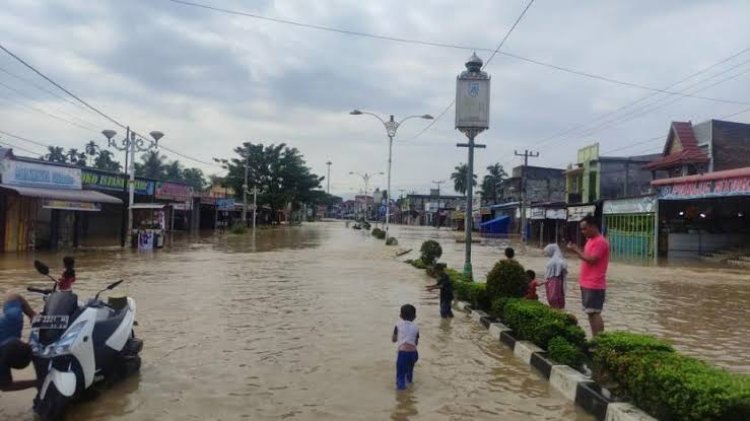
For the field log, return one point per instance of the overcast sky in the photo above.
(211, 80)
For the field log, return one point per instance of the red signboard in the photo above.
(173, 191)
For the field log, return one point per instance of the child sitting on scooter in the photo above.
(65, 283)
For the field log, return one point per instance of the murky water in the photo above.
(704, 311)
(293, 324)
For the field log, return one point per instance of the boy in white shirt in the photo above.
(406, 336)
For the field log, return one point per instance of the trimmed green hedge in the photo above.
(430, 252)
(417, 263)
(544, 326)
(666, 384)
(378, 233)
(391, 241)
(507, 279)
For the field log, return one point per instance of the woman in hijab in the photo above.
(554, 277)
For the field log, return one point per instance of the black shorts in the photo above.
(593, 300)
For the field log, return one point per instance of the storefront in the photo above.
(103, 225)
(701, 214)
(179, 197)
(149, 225)
(572, 230)
(546, 224)
(44, 205)
(630, 227)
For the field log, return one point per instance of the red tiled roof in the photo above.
(716, 175)
(691, 153)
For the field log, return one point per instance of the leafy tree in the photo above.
(491, 182)
(278, 171)
(151, 166)
(76, 158)
(195, 178)
(105, 161)
(56, 154)
(459, 178)
(173, 171)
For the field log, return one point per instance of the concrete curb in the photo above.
(572, 384)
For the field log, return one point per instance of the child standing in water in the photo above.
(65, 283)
(406, 336)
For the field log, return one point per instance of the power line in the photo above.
(77, 98)
(630, 104)
(494, 53)
(91, 107)
(85, 126)
(20, 148)
(432, 44)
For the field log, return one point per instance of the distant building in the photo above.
(542, 185)
(427, 209)
(596, 177)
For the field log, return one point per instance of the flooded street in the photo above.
(702, 309)
(295, 324)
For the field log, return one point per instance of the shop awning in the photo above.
(147, 206)
(86, 196)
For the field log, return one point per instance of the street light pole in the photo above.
(391, 126)
(366, 179)
(244, 190)
(328, 178)
(438, 183)
(472, 118)
(131, 144)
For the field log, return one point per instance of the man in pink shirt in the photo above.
(593, 278)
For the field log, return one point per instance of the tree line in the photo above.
(152, 164)
(491, 183)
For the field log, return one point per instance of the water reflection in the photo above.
(294, 325)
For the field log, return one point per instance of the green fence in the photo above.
(631, 236)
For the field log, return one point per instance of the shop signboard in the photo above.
(576, 213)
(537, 213)
(629, 206)
(29, 174)
(736, 186)
(473, 103)
(173, 191)
(71, 205)
(94, 180)
(225, 204)
(555, 214)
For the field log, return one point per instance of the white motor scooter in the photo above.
(78, 346)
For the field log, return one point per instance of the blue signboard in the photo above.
(18, 173)
(225, 204)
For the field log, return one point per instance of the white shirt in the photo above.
(406, 333)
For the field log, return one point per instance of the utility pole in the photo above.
(438, 183)
(328, 185)
(526, 155)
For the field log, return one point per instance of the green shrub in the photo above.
(669, 385)
(366, 225)
(417, 263)
(455, 276)
(498, 304)
(238, 228)
(562, 351)
(534, 321)
(391, 241)
(378, 233)
(474, 293)
(507, 279)
(430, 252)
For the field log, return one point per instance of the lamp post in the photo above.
(472, 118)
(391, 126)
(131, 144)
(328, 178)
(366, 179)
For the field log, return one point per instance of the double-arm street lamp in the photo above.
(131, 144)
(391, 126)
(366, 179)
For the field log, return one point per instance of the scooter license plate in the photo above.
(50, 322)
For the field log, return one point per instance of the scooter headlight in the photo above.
(62, 346)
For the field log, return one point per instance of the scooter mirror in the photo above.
(41, 267)
(113, 286)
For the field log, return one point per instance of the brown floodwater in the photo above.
(295, 323)
(703, 309)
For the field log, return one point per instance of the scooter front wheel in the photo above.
(53, 406)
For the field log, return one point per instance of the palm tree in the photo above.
(91, 148)
(459, 178)
(55, 154)
(152, 166)
(491, 182)
(104, 161)
(173, 171)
